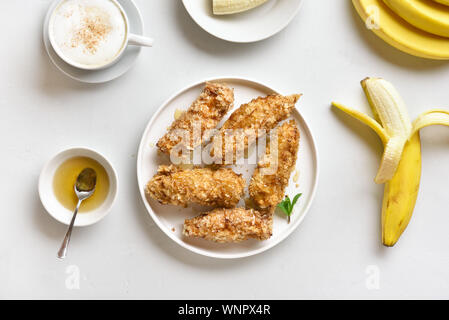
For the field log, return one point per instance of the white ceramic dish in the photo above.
(119, 68)
(250, 26)
(169, 217)
(56, 209)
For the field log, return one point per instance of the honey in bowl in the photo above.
(65, 178)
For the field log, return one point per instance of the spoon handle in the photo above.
(65, 244)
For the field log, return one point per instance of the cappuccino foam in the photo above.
(90, 33)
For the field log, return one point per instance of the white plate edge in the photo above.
(278, 30)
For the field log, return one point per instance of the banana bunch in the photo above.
(222, 7)
(417, 27)
(400, 168)
(426, 15)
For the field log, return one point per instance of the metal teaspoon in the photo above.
(84, 188)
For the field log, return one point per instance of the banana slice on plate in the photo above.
(400, 34)
(426, 15)
(269, 18)
(222, 7)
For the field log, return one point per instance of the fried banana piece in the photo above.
(248, 123)
(203, 186)
(268, 183)
(206, 112)
(230, 225)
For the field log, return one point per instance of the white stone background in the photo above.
(324, 53)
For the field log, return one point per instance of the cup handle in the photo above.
(136, 40)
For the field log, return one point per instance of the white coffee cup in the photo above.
(128, 39)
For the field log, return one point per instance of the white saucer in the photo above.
(170, 219)
(104, 75)
(250, 26)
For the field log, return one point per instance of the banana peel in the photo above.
(401, 188)
(444, 2)
(401, 193)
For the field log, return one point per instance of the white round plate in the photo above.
(170, 218)
(103, 75)
(254, 25)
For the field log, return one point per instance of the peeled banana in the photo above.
(222, 7)
(388, 105)
(426, 15)
(400, 169)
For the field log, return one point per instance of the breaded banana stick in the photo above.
(204, 186)
(230, 225)
(206, 112)
(267, 187)
(249, 122)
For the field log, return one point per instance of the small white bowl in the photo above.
(55, 208)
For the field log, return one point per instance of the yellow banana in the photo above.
(401, 189)
(426, 15)
(221, 7)
(400, 34)
(445, 2)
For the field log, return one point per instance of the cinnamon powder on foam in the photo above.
(94, 28)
